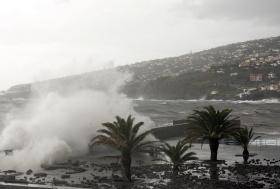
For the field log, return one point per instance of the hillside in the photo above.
(227, 72)
(246, 70)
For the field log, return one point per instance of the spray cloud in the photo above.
(60, 122)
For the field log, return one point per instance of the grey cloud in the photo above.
(262, 11)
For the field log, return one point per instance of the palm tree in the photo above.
(244, 136)
(212, 125)
(123, 135)
(177, 154)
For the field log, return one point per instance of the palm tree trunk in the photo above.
(245, 155)
(214, 145)
(175, 169)
(126, 165)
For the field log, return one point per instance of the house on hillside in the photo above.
(271, 75)
(214, 92)
(273, 87)
(220, 71)
(234, 74)
(256, 77)
(246, 63)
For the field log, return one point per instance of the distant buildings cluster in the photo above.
(257, 60)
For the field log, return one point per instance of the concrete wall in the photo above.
(11, 186)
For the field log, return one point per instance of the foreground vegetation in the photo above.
(177, 154)
(123, 136)
(207, 124)
(244, 136)
(211, 125)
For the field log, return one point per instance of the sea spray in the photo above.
(57, 125)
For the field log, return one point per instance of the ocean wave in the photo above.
(263, 101)
(139, 98)
(273, 133)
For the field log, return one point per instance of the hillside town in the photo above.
(250, 67)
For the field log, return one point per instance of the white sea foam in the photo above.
(263, 101)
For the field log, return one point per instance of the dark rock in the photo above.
(59, 182)
(29, 172)
(40, 175)
(65, 176)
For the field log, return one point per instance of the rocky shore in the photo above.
(259, 173)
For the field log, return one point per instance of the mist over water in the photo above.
(56, 125)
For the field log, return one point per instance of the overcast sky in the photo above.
(41, 39)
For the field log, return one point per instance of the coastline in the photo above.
(101, 173)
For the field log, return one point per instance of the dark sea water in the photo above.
(263, 115)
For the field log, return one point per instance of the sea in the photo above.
(262, 115)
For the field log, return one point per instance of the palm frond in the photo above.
(177, 154)
(123, 135)
(244, 136)
(210, 123)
